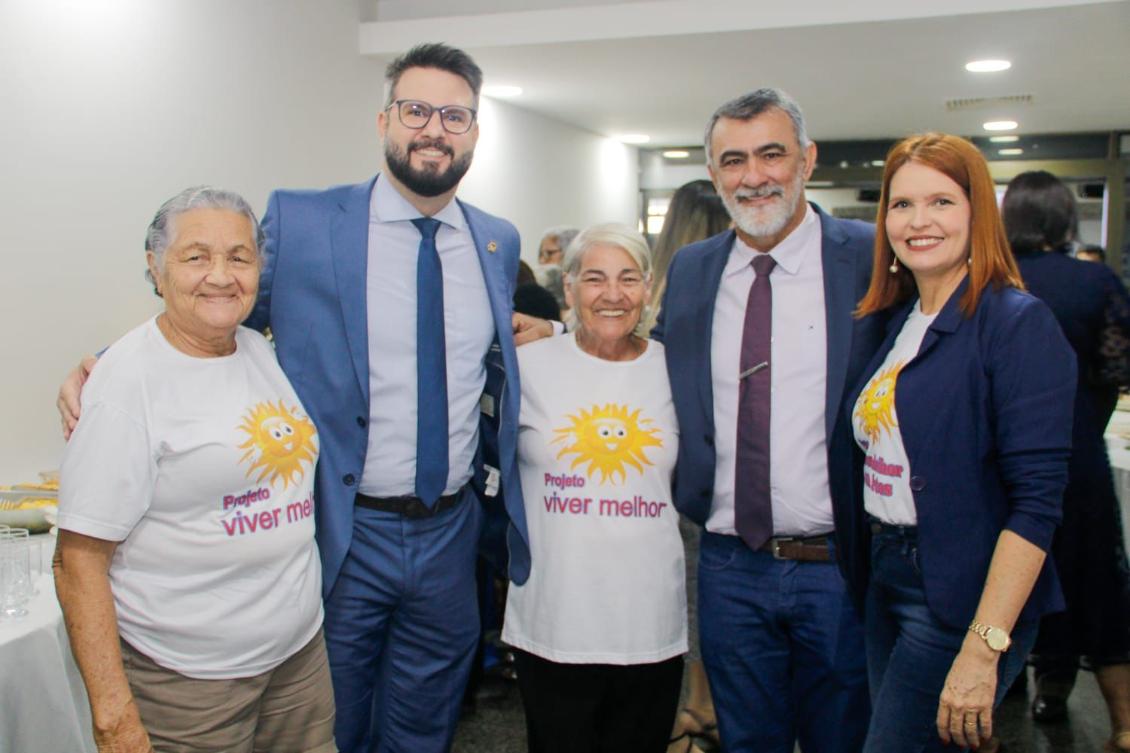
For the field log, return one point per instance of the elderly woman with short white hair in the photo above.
(186, 565)
(600, 626)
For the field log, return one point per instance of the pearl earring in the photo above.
(894, 265)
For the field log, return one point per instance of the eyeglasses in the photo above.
(415, 114)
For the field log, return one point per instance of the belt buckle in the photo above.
(777, 546)
(416, 509)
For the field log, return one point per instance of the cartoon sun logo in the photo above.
(279, 441)
(875, 407)
(607, 438)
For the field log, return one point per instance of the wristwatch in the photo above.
(996, 637)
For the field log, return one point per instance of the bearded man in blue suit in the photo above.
(761, 342)
(403, 389)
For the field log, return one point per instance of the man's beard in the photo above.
(768, 221)
(428, 181)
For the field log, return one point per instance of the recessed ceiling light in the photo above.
(1010, 152)
(633, 138)
(502, 91)
(1000, 125)
(987, 66)
(1003, 139)
(877, 163)
(676, 154)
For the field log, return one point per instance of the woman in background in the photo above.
(965, 419)
(694, 214)
(1093, 308)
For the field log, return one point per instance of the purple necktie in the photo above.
(753, 510)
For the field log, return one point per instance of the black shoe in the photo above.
(1049, 708)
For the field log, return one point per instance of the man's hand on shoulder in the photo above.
(70, 393)
(527, 328)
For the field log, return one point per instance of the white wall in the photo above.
(107, 107)
(538, 172)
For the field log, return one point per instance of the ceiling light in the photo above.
(987, 66)
(1000, 125)
(877, 163)
(501, 91)
(1010, 152)
(676, 154)
(819, 184)
(1003, 139)
(633, 138)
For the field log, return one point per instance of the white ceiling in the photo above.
(866, 69)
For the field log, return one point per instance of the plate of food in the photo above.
(30, 506)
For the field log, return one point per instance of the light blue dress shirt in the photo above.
(390, 461)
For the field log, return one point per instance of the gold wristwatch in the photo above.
(996, 637)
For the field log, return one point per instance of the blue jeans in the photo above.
(783, 650)
(910, 651)
(402, 625)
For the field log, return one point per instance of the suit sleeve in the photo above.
(1032, 373)
(260, 317)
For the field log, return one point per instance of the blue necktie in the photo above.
(431, 368)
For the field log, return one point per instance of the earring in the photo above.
(894, 268)
(969, 260)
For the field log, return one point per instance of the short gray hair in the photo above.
(749, 106)
(563, 234)
(157, 238)
(609, 234)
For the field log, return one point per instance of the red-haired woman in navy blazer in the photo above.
(965, 420)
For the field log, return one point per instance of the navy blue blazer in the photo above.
(312, 295)
(685, 326)
(984, 410)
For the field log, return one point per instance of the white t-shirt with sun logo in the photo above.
(886, 471)
(203, 470)
(597, 442)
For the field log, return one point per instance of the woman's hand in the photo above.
(965, 709)
(127, 735)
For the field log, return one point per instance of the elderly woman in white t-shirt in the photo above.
(186, 565)
(600, 626)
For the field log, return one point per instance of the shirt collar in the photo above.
(789, 253)
(387, 205)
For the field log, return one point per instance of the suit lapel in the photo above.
(494, 275)
(840, 298)
(714, 264)
(349, 237)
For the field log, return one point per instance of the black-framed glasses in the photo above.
(415, 114)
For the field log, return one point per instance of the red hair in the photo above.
(991, 259)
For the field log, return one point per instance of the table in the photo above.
(43, 704)
(1118, 448)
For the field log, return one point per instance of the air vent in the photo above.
(983, 103)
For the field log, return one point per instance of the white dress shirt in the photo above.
(798, 460)
(390, 289)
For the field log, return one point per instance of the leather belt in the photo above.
(799, 548)
(412, 508)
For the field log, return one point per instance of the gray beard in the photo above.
(764, 223)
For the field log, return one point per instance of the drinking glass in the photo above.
(15, 572)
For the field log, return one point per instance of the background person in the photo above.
(186, 565)
(695, 213)
(554, 241)
(600, 627)
(965, 419)
(1091, 305)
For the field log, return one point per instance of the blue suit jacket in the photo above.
(312, 295)
(984, 410)
(685, 326)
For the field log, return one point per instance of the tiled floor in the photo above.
(498, 727)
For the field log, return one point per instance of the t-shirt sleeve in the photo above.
(107, 475)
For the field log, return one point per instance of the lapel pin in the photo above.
(492, 247)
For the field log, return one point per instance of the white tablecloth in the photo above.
(43, 705)
(1118, 448)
